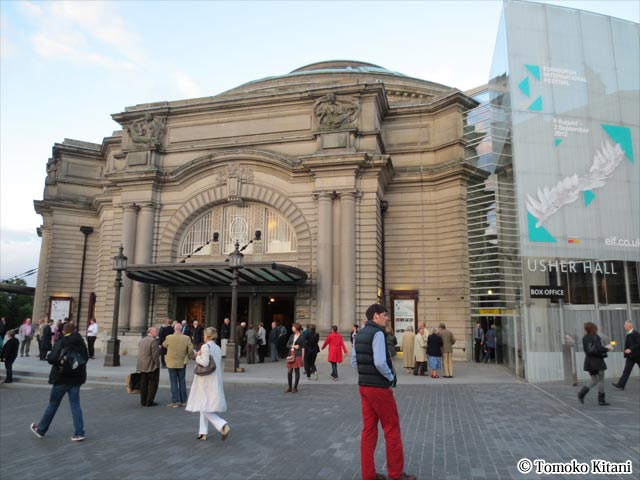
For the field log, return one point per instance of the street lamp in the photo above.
(232, 362)
(235, 260)
(112, 358)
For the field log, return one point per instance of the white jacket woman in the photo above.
(207, 392)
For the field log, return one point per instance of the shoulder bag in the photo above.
(208, 370)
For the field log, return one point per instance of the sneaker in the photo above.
(225, 431)
(618, 386)
(183, 404)
(335, 379)
(315, 375)
(77, 438)
(34, 429)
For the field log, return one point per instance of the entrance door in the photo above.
(277, 308)
(191, 308)
(224, 310)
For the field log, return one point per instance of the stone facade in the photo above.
(366, 166)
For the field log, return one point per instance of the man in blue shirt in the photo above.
(376, 377)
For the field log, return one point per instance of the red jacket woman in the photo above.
(336, 348)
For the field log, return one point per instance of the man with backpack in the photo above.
(68, 360)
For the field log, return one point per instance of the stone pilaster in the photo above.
(39, 305)
(325, 260)
(347, 260)
(143, 251)
(129, 218)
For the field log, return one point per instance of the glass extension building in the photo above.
(554, 229)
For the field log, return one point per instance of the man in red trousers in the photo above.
(376, 377)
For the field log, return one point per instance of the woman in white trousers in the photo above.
(207, 393)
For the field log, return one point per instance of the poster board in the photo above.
(60, 308)
(405, 308)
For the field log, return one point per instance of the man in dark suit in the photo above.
(45, 340)
(631, 353)
(165, 331)
(9, 354)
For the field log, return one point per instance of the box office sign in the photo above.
(546, 291)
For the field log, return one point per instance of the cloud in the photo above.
(20, 253)
(186, 86)
(83, 33)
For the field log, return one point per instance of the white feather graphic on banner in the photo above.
(568, 190)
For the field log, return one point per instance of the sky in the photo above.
(66, 66)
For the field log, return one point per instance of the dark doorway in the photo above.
(191, 308)
(278, 309)
(224, 310)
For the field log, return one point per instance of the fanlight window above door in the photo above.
(216, 232)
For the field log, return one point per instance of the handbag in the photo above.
(208, 370)
(292, 356)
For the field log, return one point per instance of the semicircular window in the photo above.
(217, 231)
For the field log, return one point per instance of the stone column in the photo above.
(39, 304)
(129, 217)
(325, 260)
(347, 261)
(143, 251)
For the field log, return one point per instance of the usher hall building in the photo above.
(516, 204)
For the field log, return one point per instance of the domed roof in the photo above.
(344, 66)
(335, 73)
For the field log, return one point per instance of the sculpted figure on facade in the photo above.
(147, 132)
(332, 113)
(52, 170)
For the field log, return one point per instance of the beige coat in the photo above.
(419, 348)
(179, 350)
(407, 349)
(447, 341)
(148, 355)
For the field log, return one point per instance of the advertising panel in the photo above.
(574, 88)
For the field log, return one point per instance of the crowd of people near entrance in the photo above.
(428, 352)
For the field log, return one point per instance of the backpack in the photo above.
(70, 362)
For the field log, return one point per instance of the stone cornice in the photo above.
(454, 98)
(456, 170)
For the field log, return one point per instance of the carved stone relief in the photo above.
(147, 132)
(234, 176)
(333, 113)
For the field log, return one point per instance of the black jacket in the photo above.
(632, 341)
(434, 345)
(45, 340)
(300, 341)
(311, 345)
(225, 331)
(10, 350)
(594, 362)
(75, 343)
(368, 374)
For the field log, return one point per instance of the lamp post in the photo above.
(232, 362)
(112, 358)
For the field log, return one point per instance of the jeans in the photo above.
(334, 369)
(273, 351)
(57, 394)
(178, 385)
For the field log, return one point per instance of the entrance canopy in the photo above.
(216, 274)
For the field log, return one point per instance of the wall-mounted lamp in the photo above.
(258, 235)
(489, 292)
(216, 236)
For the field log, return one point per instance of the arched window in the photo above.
(198, 235)
(222, 226)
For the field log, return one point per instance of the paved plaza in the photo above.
(474, 426)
